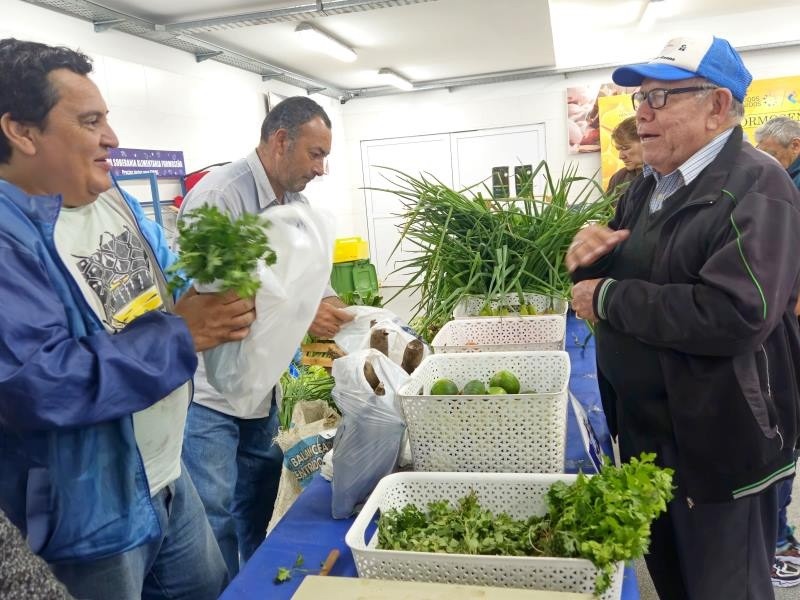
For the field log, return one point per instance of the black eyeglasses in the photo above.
(657, 97)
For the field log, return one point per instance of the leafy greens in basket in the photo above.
(216, 248)
(604, 518)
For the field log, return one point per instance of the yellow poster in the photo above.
(768, 98)
(765, 99)
(613, 109)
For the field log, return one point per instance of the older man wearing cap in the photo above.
(693, 286)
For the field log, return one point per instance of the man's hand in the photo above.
(214, 319)
(582, 295)
(592, 242)
(330, 318)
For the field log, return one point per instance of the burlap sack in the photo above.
(303, 445)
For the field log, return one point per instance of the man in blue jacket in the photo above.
(97, 358)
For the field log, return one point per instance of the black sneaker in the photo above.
(785, 574)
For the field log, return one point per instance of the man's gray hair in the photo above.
(290, 114)
(781, 129)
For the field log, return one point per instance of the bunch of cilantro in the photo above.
(216, 248)
(604, 518)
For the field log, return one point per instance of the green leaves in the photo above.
(605, 518)
(609, 515)
(214, 247)
(313, 383)
(285, 573)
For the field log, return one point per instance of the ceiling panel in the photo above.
(435, 43)
(443, 39)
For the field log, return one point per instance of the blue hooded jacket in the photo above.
(71, 476)
(794, 172)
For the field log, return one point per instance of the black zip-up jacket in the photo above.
(718, 310)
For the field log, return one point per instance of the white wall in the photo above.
(161, 98)
(541, 100)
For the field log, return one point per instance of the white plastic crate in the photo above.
(517, 494)
(471, 306)
(504, 433)
(501, 334)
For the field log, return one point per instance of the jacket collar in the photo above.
(719, 171)
(36, 208)
(794, 168)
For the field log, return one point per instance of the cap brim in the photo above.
(633, 75)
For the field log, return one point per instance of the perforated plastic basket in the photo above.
(501, 334)
(471, 306)
(506, 433)
(520, 495)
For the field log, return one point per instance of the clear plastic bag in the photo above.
(286, 304)
(355, 335)
(370, 435)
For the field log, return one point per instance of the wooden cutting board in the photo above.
(350, 588)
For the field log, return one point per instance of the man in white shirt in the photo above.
(228, 448)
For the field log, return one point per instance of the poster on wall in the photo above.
(583, 115)
(768, 98)
(765, 99)
(613, 110)
(136, 161)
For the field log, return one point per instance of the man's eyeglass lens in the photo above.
(657, 97)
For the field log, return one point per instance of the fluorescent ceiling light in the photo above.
(398, 81)
(652, 10)
(320, 41)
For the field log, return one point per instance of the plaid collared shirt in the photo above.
(666, 185)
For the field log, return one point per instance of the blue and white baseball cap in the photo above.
(686, 57)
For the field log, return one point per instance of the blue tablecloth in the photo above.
(309, 529)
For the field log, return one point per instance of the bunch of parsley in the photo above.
(216, 248)
(605, 518)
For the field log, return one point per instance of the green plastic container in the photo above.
(354, 276)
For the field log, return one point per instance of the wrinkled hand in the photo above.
(214, 319)
(582, 295)
(328, 321)
(592, 242)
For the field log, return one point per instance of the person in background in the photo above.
(97, 360)
(780, 138)
(228, 448)
(693, 286)
(627, 143)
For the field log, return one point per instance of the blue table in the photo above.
(309, 529)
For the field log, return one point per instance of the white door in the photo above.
(477, 153)
(428, 155)
(458, 160)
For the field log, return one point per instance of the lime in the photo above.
(444, 387)
(474, 388)
(506, 380)
(494, 390)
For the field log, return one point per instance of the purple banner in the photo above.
(132, 161)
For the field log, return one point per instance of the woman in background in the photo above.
(627, 143)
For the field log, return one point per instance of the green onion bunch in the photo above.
(466, 244)
(312, 383)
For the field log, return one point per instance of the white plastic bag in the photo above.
(355, 335)
(370, 435)
(286, 303)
